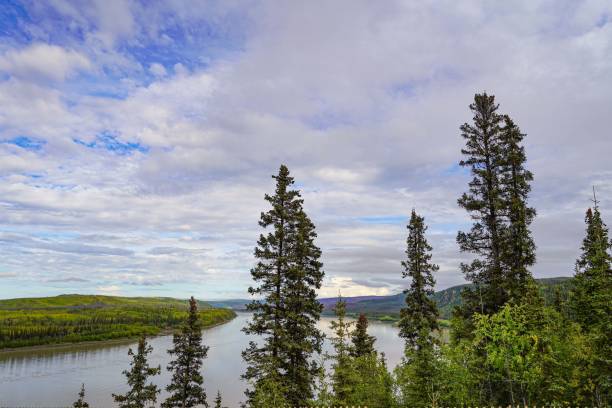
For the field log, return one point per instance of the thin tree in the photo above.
(140, 394)
(418, 320)
(81, 403)
(343, 373)
(591, 303)
(484, 202)
(420, 315)
(591, 292)
(363, 343)
(288, 272)
(188, 353)
(519, 248)
(302, 311)
(218, 400)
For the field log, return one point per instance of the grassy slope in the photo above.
(92, 301)
(76, 318)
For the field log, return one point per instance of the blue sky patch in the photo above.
(26, 142)
(109, 141)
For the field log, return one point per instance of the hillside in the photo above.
(73, 301)
(76, 318)
(447, 299)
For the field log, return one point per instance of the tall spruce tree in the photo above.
(363, 343)
(302, 311)
(591, 304)
(288, 272)
(418, 320)
(81, 403)
(185, 387)
(592, 283)
(420, 315)
(518, 250)
(140, 394)
(483, 155)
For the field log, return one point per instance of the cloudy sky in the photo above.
(137, 139)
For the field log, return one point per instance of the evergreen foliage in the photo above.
(343, 376)
(288, 272)
(81, 403)
(140, 394)
(218, 400)
(518, 249)
(592, 282)
(591, 303)
(418, 321)
(188, 354)
(420, 316)
(363, 343)
(497, 202)
(484, 203)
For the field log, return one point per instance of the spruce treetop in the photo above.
(420, 315)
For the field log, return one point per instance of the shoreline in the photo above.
(89, 343)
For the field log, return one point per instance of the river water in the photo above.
(52, 377)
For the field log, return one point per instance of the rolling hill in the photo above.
(77, 318)
(447, 299)
(388, 307)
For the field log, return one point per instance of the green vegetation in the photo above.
(140, 393)
(188, 354)
(419, 319)
(77, 318)
(513, 341)
(288, 272)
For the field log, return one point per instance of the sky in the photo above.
(138, 138)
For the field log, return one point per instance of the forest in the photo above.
(77, 318)
(511, 343)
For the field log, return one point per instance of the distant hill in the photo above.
(78, 318)
(447, 299)
(74, 301)
(389, 306)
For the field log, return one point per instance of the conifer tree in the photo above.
(418, 320)
(344, 377)
(288, 272)
(140, 394)
(592, 283)
(302, 311)
(483, 154)
(591, 304)
(518, 251)
(218, 400)
(420, 316)
(363, 343)
(81, 403)
(185, 387)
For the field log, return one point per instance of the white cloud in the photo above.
(109, 290)
(363, 101)
(158, 70)
(43, 61)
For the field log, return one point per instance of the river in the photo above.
(51, 377)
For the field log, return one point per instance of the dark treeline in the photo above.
(507, 346)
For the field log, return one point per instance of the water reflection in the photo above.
(53, 376)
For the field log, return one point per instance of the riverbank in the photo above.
(77, 319)
(96, 343)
